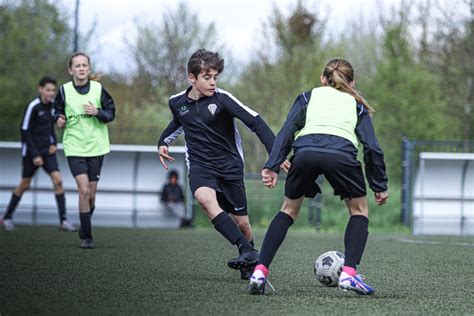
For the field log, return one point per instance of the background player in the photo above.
(39, 150)
(83, 107)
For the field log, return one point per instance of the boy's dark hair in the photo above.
(173, 173)
(203, 60)
(45, 80)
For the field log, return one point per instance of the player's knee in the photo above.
(58, 182)
(84, 192)
(204, 198)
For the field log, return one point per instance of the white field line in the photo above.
(430, 242)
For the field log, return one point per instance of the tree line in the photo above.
(413, 64)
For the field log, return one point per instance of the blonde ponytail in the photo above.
(339, 74)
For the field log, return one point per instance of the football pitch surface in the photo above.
(166, 272)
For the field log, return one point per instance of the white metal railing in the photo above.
(128, 191)
(443, 200)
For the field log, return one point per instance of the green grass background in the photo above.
(169, 272)
(263, 203)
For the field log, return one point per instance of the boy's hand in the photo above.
(381, 197)
(38, 161)
(163, 154)
(269, 178)
(52, 149)
(90, 109)
(285, 166)
(61, 121)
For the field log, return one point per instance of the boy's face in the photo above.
(47, 92)
(79, 67)
(206, 82)
(173, 180)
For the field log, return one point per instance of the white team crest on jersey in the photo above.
(212, 108)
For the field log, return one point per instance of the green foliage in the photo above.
(287, 63)
(34, 41)
(161, 51)
(407, 97)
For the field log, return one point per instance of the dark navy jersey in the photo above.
(37, 129)
(373, 154)
(212, 139)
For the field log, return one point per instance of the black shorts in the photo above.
(50, 164)
(86, 165)
(230, 194)
(344, 173)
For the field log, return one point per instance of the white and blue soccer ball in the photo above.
(328, 267)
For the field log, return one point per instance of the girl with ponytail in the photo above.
(324, 128)
(83, 108)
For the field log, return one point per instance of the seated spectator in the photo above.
(172, 198)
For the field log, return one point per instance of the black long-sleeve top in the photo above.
(37, 128)
(172, 193)
(106, 112)
(373, 154)
(212, 139)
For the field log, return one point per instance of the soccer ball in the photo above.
(328, 267)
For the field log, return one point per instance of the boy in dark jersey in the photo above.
(214, 153)
(38, 149)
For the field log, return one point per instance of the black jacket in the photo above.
(106, 113)
(172, 193)
(373, 155)
(37, 129)
(212, 139)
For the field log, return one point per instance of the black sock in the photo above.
(61, 203)
(227, 227)
(355, 239)
(14, 200)
(274, 237)
(92, 209)
(363, 249)
(86, 227)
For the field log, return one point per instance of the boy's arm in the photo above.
(373, 154)
(29, 118)
(294, 122)
(59, 104)
(52, 136)
(171, 132)
(250, 118)
(106, 114)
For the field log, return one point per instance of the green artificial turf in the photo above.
(165, 272)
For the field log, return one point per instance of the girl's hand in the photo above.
(90, 109)
(61, 122)
(52, 149)
(163, 154)
(381, 197)
(285, 166)
(38, 161)
(269, 178)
